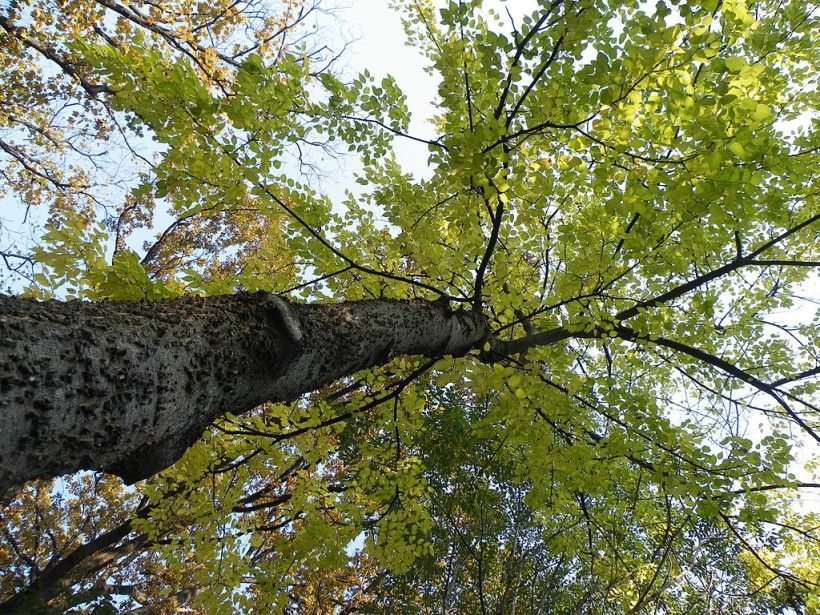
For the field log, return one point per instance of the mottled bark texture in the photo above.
(126, 387)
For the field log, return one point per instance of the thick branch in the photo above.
(58, 576)
(126, 387)
(540, 338)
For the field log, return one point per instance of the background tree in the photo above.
(629, 197)
(66, 149)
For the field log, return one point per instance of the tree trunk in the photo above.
(126, 387)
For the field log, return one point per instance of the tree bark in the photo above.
(126, 387)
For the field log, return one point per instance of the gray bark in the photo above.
(126, 387)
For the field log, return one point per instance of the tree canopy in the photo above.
(626, 191)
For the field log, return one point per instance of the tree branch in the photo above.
(699, 281)
(721, 364)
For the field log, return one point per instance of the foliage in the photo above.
(66, 148)
(629, 193)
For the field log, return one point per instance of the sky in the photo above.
(376, 41)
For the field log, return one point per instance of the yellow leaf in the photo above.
(737, 149)
(761, 112)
